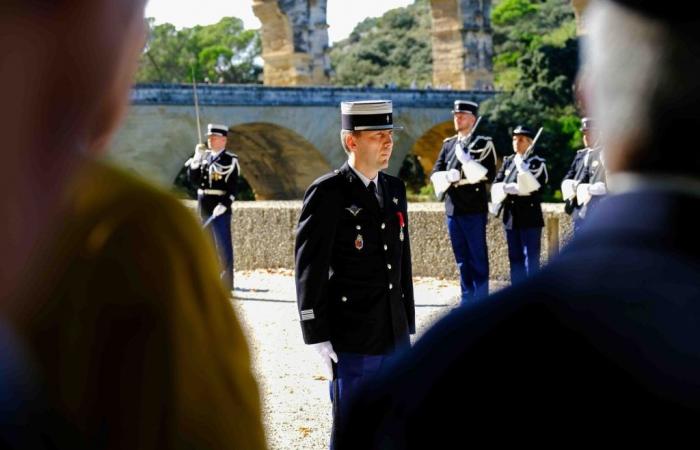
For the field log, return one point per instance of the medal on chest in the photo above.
(402, 224)
(359, 242)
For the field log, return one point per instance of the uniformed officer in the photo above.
(215, 173)
(593, 187)
(353, 258)
(578, 174)
(465, 165)
(521, 178)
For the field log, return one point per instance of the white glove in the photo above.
(326, 352)
(511, 188)
(199, 151)
(219, 210)
(453, 175)
(568, 189)
(597, 188)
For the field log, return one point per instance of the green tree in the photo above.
(223, 51)
(392, 49)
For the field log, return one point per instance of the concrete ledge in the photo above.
(263, 236)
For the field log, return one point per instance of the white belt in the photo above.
(210, 192)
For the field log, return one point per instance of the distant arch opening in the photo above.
(278, 163)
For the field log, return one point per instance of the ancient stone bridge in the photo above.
(285, 137)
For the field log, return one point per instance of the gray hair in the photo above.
(343, 135)
(642, 77)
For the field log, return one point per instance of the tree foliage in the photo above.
(394, 49)
(224, 52)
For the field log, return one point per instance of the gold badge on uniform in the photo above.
(359, 242)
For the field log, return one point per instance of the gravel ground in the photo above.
(294, 389)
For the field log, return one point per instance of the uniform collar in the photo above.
(215, 154)
(363, 178)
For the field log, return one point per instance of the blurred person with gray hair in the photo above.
(117, 333)
(604, 343)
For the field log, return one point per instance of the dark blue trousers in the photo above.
(524, 247)
(468, 237)
(350, 373)
(221, 231)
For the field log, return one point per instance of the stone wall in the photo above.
(579, 9)
(263, 236)
(462, 44)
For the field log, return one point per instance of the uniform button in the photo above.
(388, 266)
(385, 247)
(477, 189)
(391, 286)
(358, 227)
(344, 298)
(383, 226)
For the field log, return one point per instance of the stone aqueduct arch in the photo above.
(278, 162)
(295, 42)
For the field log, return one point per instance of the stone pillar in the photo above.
(552, 233)
(579, 8)
(462, 44)
(295, 41)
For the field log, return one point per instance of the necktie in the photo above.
(372, 188)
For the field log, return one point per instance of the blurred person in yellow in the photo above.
(107, 284)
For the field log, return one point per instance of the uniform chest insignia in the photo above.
(354, 210)
(395, 200)
(595, 163)
(359, 242)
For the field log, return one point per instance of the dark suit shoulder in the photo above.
(327, 182)
(449, 139)
(231, 154)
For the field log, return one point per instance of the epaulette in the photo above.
(450, 138)
(230, 153)
(328, 177)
